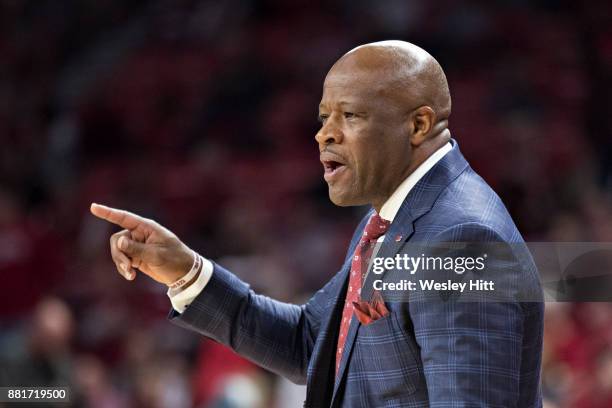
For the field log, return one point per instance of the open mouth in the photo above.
(332, 168)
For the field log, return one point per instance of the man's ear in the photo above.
(422, 121)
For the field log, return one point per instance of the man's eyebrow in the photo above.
(341, 103)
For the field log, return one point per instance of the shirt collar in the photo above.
(394, 202)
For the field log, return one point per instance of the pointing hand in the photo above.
(145, 245)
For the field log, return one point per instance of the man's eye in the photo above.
(349, 115)
(322, 118)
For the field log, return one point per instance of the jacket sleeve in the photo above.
(275, 335)
(472, 349)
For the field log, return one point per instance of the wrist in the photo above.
(188, 278)
(190, 282)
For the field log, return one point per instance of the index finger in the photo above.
(124, 219)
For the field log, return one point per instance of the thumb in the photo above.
(132, 248)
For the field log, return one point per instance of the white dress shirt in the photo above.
(181, 298)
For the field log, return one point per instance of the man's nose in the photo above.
(329, 134)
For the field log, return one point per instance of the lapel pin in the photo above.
(398, 238)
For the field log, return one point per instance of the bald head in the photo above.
(403, 71)
(384, 111)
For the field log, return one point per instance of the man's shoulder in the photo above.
(468, 201)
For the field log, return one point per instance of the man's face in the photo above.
(364, 137)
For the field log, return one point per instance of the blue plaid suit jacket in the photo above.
(424, 353)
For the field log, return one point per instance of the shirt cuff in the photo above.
(181, 298)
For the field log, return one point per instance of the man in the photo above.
(384, 142)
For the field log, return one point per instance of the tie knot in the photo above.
(376, 227)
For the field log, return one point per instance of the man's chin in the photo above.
(343, 200)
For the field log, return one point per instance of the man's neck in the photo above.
(388, 208)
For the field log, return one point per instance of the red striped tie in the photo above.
(375, 228)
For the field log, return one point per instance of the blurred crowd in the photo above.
(202, 115)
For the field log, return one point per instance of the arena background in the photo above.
(202, 115)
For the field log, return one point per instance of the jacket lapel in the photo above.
(402, 227)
